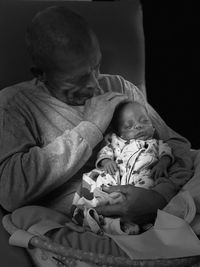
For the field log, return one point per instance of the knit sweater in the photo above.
(45, 145)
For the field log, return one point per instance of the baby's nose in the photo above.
(138, 126)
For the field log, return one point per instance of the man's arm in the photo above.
(29, 171)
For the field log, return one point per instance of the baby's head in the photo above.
(131, 121)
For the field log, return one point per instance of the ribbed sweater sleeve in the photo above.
(28, 170)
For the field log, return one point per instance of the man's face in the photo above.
(77, 77)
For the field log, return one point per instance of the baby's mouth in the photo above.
(142, 136)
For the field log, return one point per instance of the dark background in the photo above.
(172, 29)
(171, 32)
(117, 24)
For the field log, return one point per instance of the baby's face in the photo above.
(134, 123)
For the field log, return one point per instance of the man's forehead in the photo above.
(77, 64)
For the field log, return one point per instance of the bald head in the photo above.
(58, 31)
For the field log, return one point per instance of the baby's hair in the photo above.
(115, 119)
(54, 28)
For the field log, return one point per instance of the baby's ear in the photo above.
(156, 134)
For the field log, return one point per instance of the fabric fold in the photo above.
(20, 238)
(166, 240)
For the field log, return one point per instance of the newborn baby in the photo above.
(132, 155)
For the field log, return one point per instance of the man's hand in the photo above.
(99, 109)
(109, 166)
(140, 205)
(161, 167)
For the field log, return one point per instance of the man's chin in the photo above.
(78, 102)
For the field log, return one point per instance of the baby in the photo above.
(132, 155)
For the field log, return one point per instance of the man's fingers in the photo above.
(115, 168)
(110, 210)
(87, 102)
(113, 97)
(111, 170)
(110, 189)
(115, 195)
(117, 100)
(109, 95)
(117, 188)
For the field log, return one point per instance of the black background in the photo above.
(172, 57)
(172, 29)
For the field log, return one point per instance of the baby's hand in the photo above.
(160, 169)
(109, 166)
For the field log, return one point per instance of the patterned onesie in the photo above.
(134, 159)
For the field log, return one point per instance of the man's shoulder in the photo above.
(110, 76)
(111, 82)
(116, 83)
(8, 94)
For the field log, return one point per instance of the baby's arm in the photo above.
(160, 169)
(106, 152)
(165, 160)
(105, 158)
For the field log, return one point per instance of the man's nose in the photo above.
(93, 83)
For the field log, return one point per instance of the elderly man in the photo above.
(50, 127)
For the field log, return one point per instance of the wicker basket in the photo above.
(65, 255)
